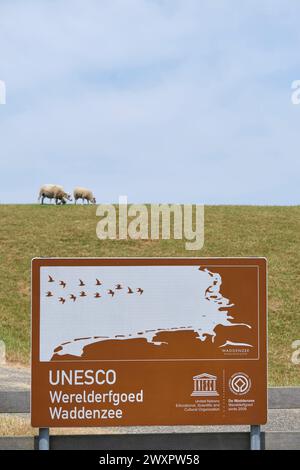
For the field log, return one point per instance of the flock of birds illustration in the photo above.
(97, 295)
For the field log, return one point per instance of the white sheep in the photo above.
(83, 193)
(54, 191)
(47, 191)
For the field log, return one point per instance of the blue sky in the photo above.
(161, 100)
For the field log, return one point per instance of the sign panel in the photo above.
(119, 342)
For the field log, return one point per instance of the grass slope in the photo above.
(27, 231)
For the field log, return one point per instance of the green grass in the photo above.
(27, 231)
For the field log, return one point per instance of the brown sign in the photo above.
(120, 342)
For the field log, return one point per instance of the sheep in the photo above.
(53, 191)
(83, 193)
(46, 191)
(61, 195)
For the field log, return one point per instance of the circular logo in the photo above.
(239, 383)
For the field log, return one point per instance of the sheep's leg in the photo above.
(42, 199)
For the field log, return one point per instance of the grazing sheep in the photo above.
(54, 191)
(83, 193)
(61, 195)
(47, 191)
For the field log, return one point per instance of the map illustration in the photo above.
(88, 311)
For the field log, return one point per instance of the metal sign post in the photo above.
(255, 437)
(43, 439)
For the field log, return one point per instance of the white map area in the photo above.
(173, 298)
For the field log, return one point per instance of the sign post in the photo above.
(44, 439)
(168, 341)
(255, 437)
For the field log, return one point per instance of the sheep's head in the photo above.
(68, 196)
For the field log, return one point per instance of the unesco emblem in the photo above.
(240, 383)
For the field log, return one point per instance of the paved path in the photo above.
(14, 378)
(278, 420)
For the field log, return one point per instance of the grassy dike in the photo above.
(27, 231)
